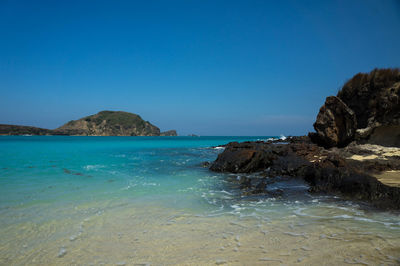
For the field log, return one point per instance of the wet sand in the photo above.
(129, 235)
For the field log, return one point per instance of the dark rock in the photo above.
(254, 186)
(335, 125)
(249, 157)
(334, 175)
(243, 158)
(324, 170)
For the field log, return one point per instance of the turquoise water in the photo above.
(108, 200)
(42, 170)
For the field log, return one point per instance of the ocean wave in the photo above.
(93, 166)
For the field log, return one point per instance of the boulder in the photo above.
(243, 158)
(336, 124)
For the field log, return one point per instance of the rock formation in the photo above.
(336, 124)
(326, 171)
(342, 156)
(374, 98)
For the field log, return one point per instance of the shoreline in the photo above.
(369, 173)
(127, 203)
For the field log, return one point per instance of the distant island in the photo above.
(104, 123)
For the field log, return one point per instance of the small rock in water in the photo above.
(222, 248)
(306, 248)
(237, 238)
(219, 262)
(73, 238)
(62, 252)
(238, 244)
(236, 249)
(224, 236)
(300, 259)
(322, 236)
(122, 263)
(24, 246)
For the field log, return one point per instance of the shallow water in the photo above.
(147, 200)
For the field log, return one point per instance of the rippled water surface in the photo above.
(148, 200)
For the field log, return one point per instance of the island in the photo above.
(104, 123)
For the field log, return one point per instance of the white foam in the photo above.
(93, 166)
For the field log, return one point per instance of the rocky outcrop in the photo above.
(336, 124)
(374, 98)
(341, 157)
(326, 171)
(169, 133)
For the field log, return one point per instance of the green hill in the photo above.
(110, 123)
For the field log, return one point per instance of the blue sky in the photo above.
(203, 67)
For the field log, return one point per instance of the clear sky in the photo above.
(203, 67)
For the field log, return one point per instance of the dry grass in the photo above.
(376, 79)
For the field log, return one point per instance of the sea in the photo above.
(68, 200)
